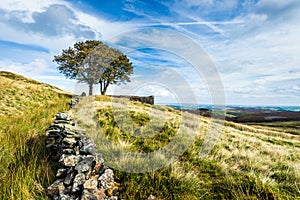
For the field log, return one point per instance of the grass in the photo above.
(247, 162)
(25, 114)
(292, 127)
(254, 161)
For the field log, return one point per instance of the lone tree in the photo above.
(93, 62)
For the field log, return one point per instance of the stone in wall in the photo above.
(82, 173)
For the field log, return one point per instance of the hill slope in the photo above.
(26, 110)
(19, 94)
(247, 162)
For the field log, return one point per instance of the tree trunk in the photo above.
(104, 91)
(90, 89)
(103, 87)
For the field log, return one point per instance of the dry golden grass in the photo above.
(247, 162)
(27, 108)
(18, 94)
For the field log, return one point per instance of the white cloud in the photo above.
(40, 70)
(108, 29)
(258, 57)
(34, 68)
(54, 24)
(51, 24)
(22, 37)
(30, 6)
(256, 52)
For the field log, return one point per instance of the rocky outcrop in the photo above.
(82, 173)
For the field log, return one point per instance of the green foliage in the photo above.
(70, 59)
(140, 118)
(93, 62)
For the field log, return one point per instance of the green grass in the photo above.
(292, 127)
(25, 166)
(248, 162)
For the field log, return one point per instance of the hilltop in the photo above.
(247, 161)
(18, 93)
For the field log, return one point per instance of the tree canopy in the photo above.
(93, 62)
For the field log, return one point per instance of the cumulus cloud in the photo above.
(38, 69)
(34, 68)
(253, 43)
(53, 24)
(55, 21)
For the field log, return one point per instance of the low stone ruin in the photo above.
(82, 173)
(142, 99)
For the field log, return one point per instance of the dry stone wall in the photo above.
(82, 173)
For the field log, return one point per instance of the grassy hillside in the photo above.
(26, 110)
(259, 161)
(248, 162)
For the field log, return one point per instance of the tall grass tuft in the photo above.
(27, 108)
(25, 166)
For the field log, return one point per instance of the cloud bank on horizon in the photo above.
(254, 44)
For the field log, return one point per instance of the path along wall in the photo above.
(82, 173)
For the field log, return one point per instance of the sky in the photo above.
(183, 51)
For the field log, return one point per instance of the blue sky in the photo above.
(253, 44)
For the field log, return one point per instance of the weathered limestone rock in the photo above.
(88, 196)
(71, 161)
(112, 191)
(54, 189)
(152, 197)
(107, 179)
(91, 184)
(85, 165)
(99, 193)
(82, 173)
(69, 141)
(78, 182)
(69, 178)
